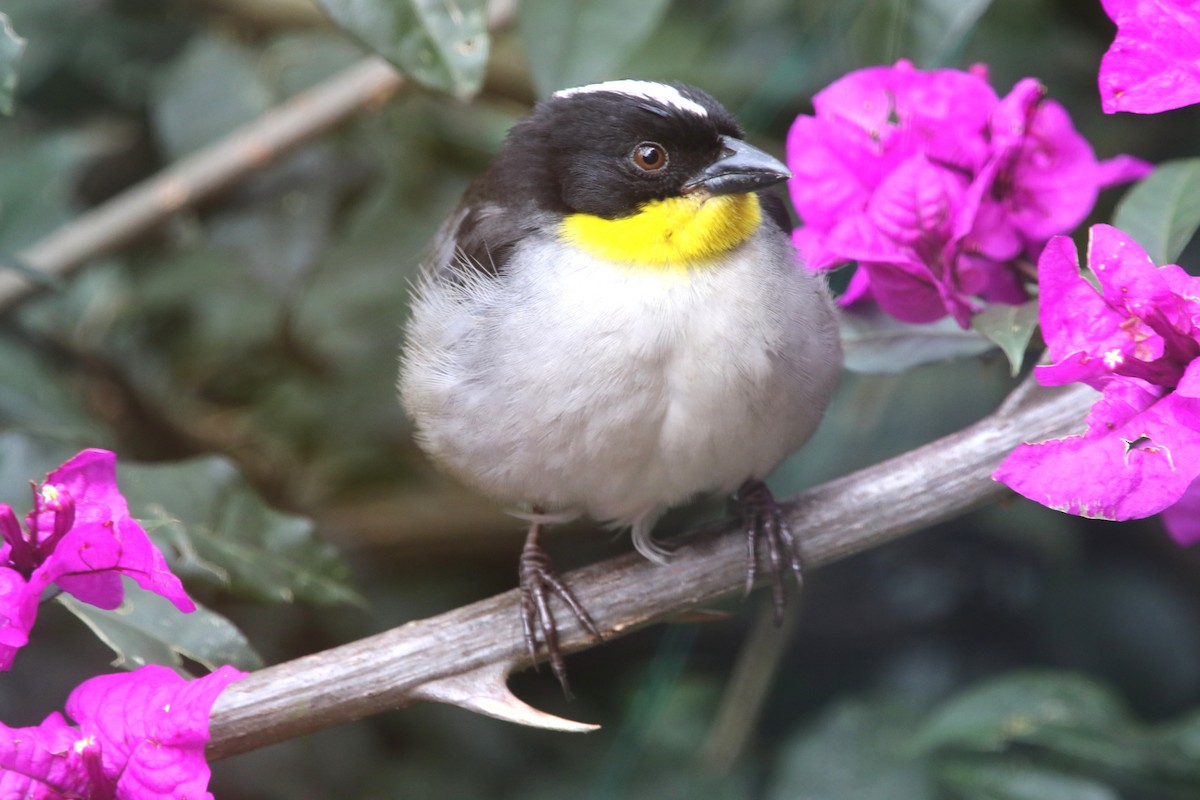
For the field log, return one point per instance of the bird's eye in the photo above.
(649, 156)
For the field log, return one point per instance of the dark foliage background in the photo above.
(1013, 653)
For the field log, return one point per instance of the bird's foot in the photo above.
(764, 522)
(539, 581)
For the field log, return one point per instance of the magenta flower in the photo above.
(937, 187)
(139, 736)
(1137, 339)
(1182, 520)
(80, 536)
(45, 762)
(1154, 63)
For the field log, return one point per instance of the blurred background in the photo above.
(245, 354)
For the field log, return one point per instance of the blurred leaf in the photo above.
(278, 222)
(1178, 743)
(1022, 706)
(675, 781)
(664, 722)
(215, 312)
(211, 90)
(854, 750)
(36, 175)
(11, 47)
(442, 44)
(299, 60)
(575, 43)
(203, 512)
(930, 33)
(877, 342)
(1162, 212)
(36, 398)
(112, 52)
(147, 629)
(45, 422)
(1009, 327)
(940, 28)
(204, 331)
(874, 417)
(1017, 779)
(652, 749)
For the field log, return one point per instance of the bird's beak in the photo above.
(739, 168)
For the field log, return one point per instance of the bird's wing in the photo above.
(477, 241)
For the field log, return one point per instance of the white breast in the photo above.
(576, 384)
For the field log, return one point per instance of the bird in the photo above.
(612, 321)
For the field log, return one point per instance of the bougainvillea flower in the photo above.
(937, 187)
(1183, 519)
(16, 618)
(1137, 339)
(43, 762)
(79, 536)
(1154, 63)
(138, 736)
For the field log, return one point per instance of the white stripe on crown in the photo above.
(660, 93)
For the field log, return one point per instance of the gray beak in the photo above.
(740, 168)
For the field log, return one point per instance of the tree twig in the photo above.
(114, 224)
(464, 656)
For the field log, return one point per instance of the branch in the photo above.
(464, 656)
(114, 224)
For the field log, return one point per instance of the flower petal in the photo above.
(1122, 169)
(1054, 179)
(944, 174)
(90, 478)
(1092, 335)
(1182, 520)
(1133, 470)
(835, 165)
(1154, 62)
(152, 726)
(90, 560)
(42, 762)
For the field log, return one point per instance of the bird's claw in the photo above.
(540, 581)
(765, 522)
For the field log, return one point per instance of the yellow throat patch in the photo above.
(671, 234)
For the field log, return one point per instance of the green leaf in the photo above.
(442, 44)
(203, 513)
(11, 48)
(1162, 212)
(1017, 779)
(279, 222)
(1183, 734)
(37, 181)
(1177, 746)
(36, 399)
(1010, 328)
(575, 43)
(301, 59)
(211, 90)
(1022, 706)
(930, 33)
(877, 342)
(148, 629)
(853, 751)
(940, 28)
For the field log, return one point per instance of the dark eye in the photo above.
(649, 156)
